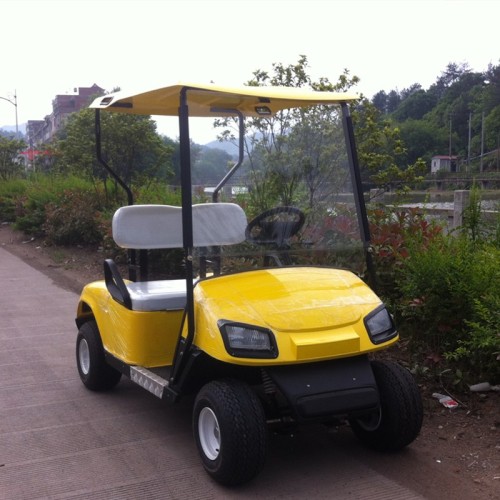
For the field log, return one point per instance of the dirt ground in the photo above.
(463, 441)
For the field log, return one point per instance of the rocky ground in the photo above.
(464, 440)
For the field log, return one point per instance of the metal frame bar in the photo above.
(359, 199)
(131, 254)
(241, 153)
(184, 344)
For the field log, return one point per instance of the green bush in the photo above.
(10, 191)
(479, 351)
(33, 195)
(158, 193)
(395, 235)
(74, 219)
(30, 211)
(435, 287)
(447, 304)
(444, 289)
(7, 209)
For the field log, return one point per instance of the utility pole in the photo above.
(468, 146)
(482, 142)
(449, 147)
(14, 103)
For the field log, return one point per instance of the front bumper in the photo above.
(339, 388)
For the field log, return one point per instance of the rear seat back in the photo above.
(160, 226)
(145, 227)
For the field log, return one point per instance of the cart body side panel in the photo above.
(134, 337)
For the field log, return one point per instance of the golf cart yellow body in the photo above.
(268, 324)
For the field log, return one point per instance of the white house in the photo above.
(444, 163)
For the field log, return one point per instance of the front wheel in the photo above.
(230, 431)
(398, 420)
(94, 372)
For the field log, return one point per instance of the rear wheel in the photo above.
(230, 431)
(94, 372)
(399, 418)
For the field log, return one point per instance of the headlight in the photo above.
(380, 325)
(247, 341)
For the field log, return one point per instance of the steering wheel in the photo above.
(276, 225)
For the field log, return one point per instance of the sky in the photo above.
(51, 47)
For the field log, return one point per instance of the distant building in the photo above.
(444, 163)
(41, 131)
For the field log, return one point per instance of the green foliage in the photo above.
(479, 350)
(442, 290)
(435, 295)
(422, 140)
(130, 145)
(38, 193)
(69, 210)
(382, 152)
(155, 192)
(10, 191)
(30, 209)
(477, 226)
(459, 103)
(210, 166)
(294, 148)
(395, 234)
(73, 219)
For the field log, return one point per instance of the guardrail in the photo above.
(452, 212)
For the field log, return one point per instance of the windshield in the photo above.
(295, 187)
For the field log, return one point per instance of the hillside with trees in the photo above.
(458, 115)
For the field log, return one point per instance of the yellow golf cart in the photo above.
(270, 324)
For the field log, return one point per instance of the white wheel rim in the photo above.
(208, 430)
(371, 422)
(84, 356)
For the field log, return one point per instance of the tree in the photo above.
(422, 139)
(393, 101)
(415, 106)
(379, 100)
(290, 148)
(453, 73)
(462, 97)
(382, 152)
(266, 144)
(439, 120)
(492, 130)
(210, 166)
(10, 164)
(130, 145)
(405, 93)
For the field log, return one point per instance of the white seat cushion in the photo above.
(162, 295)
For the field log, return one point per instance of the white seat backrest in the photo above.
(160, 226)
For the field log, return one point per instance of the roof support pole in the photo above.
(241, 142)
(131, 254)
(184, 344)
(359, 199)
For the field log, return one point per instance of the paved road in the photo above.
(60, 441)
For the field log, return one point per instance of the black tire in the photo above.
(399, 419)
(94, 372)
(230, 431)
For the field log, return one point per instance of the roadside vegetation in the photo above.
(444, 289)
(442, 286)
